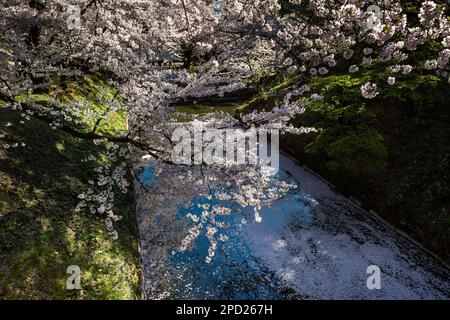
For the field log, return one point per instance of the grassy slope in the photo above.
(41, 234)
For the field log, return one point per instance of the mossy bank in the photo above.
(41, 235)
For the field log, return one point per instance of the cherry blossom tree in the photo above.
(157, 52)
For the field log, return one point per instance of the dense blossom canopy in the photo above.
(214, 48)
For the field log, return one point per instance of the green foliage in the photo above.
(203, 108)
(90, 90)
(339, 86)
(358, 154)
(274, 82)
(426, 185)
(346, 122)
(347, 141)
(420, 91)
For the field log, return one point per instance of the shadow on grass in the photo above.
(41, 234)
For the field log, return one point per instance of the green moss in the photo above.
(95, 94)
(200, 109)
(358, 154)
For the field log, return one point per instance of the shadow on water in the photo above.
(313, 243)
(234, 272)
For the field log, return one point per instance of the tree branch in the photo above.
(83, 135)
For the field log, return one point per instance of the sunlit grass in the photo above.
(40, 232)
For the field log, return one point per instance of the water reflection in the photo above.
(313, 243)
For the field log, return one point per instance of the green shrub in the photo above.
(358, 154)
